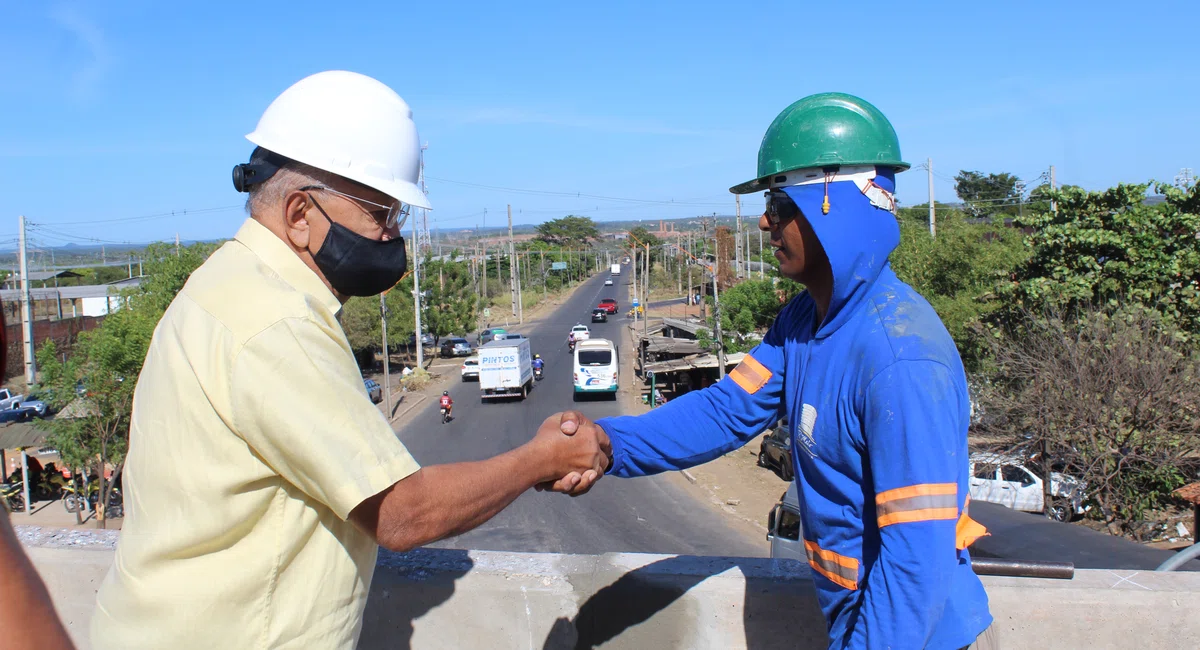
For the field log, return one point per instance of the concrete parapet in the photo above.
(434, 598)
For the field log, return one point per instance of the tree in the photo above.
(987, 193)
(570, 231)
(748, 309)
(1108, 248)
(106, 363)
(957, 271)
(1104, 395)
(450, 305)
(360, 318)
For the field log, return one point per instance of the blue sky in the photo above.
(110, 111)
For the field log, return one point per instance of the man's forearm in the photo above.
(26, 614)
(441, 501)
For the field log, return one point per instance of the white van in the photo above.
(596, 367)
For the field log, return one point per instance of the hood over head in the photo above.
(858, 233)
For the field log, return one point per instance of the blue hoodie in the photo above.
(877, 406)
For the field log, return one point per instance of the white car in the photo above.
(1004, 479)
(581, 332)
(470, 368)
(608, 283)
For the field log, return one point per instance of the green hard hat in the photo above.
(825, 130)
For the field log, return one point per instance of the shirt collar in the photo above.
(276, 254)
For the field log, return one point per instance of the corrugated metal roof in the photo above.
(21, 434)
(71, 293)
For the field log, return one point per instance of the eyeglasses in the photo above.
(780, 208)
(397, 212)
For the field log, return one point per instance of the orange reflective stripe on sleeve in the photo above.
(967, 530)
(750, 375)
(925, 502)
(839, 569)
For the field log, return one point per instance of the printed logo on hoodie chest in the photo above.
(804, 432)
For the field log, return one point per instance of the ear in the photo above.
(295, 218)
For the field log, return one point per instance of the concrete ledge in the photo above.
(434, 598)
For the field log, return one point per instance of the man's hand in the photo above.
(573, 423)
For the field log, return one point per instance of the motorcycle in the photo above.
(445, 415)
(537, 374)
(571, 346)
(13, 496)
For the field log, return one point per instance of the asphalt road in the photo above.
(643, 515)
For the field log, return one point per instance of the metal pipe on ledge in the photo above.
(1023, 568)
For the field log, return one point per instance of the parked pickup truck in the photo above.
(10, 401)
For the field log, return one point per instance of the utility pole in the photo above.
(485, 277)
(27, 313)
(542, 265)
(634, 281)
(737, 247)
(512, 270)
(646, 302)
(717, 310)
(761, 263)
(417, 295)
(1184, 179)
(520, 298)
(1053, 186)
(932, 215)
(387, 375)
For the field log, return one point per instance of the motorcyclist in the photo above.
(447, 403)
(571, 341)
(538, 364)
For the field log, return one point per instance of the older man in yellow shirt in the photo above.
(260, 478)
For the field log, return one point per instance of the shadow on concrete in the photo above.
(771, 618)
(388, 621)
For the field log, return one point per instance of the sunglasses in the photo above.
(397, 212)
(780, 208)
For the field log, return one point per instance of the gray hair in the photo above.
(292, 176)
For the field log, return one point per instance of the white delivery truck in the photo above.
(616, 269)
(505, 369)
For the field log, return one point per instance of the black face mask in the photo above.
(357, 265)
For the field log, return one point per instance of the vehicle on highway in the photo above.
(456, 347)
(608, 304)
(599, 315)
(374, 390)
(783, 528)
(489, 335)
(505, 369)
(8, 400)
(1006, 480)
(616, 270)
(581, 332)
(596, 367)
(19, 414)
(776, 452)
(608, 283)
(426, 339)
(470, 368)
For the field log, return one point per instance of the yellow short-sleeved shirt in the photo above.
(252, 440)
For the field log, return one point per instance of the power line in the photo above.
(573, 194)
(147, 217)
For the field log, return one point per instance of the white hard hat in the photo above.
(350, 125)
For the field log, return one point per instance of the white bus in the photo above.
(596, 367)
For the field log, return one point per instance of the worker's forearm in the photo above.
(26, 613)
(441, 501)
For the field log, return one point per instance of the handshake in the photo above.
(571, 453)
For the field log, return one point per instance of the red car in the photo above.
(609, 305)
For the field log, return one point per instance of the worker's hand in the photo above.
(573, 423)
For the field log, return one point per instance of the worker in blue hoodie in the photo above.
(870, 382)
